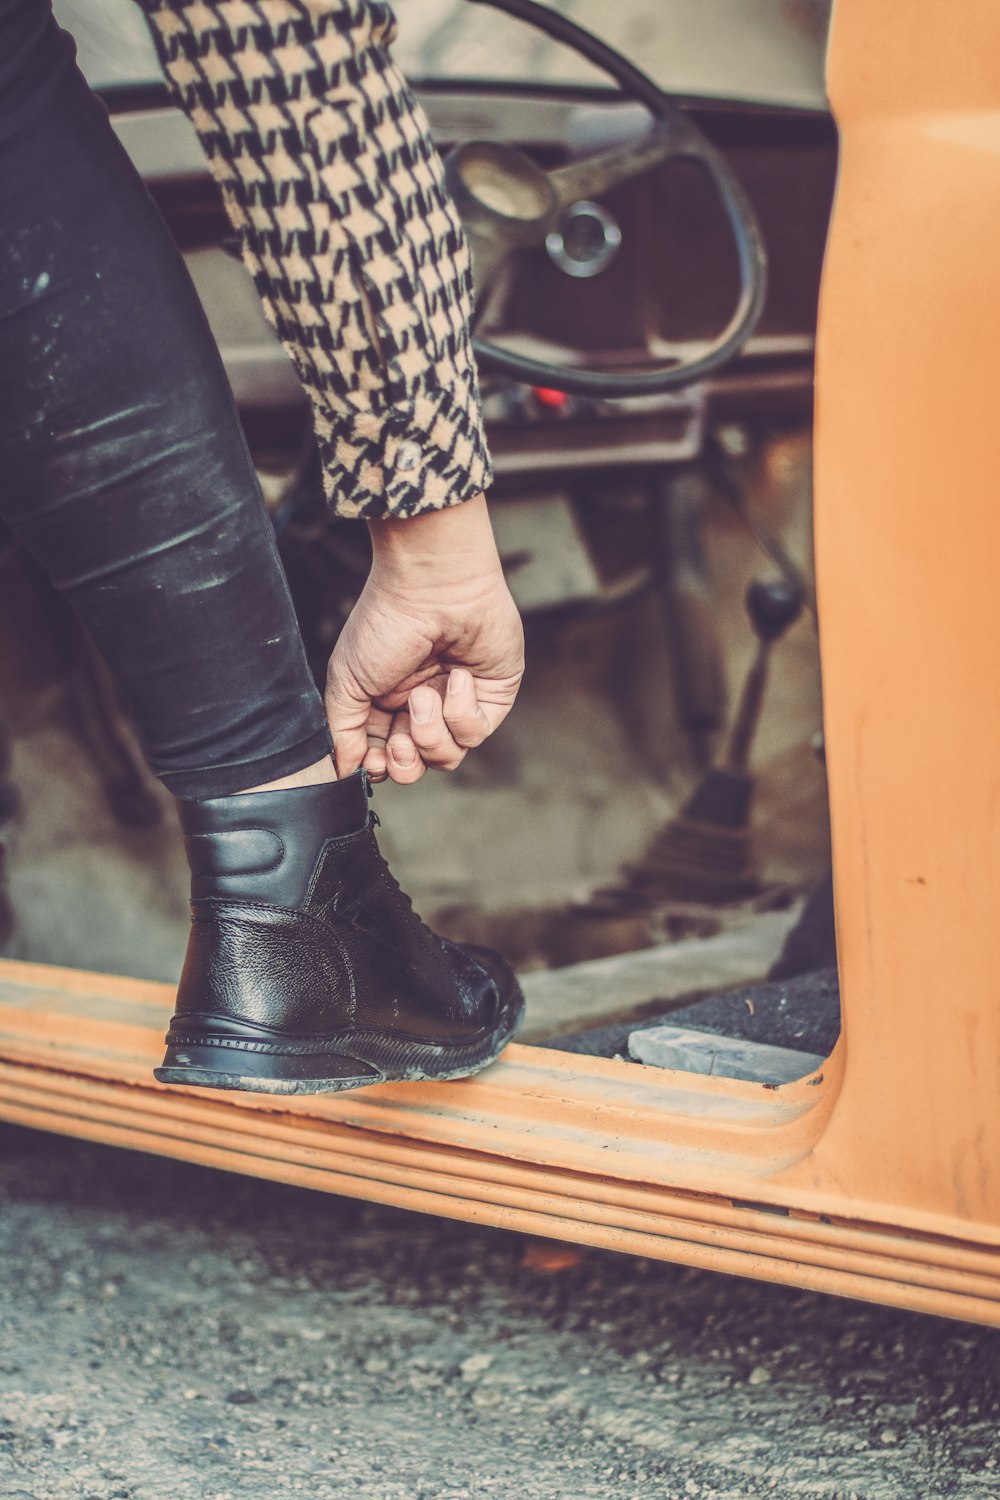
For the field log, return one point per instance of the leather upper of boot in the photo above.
(299, 926)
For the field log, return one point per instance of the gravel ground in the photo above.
(171, 1333)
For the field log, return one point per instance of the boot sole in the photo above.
(350, 1060)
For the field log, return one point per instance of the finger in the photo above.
(430, 733)
(379, 725)
(402, 759)
(350, 742)
(349, 750)
(375, 764)
(347, 711)
(495, 699)
(466, 720)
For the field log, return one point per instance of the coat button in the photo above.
(408, 456)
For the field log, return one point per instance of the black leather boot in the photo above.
(307, 969)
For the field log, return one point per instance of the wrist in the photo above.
(436, 546)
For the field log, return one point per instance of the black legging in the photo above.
(123, 468)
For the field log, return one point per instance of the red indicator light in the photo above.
(554, 400)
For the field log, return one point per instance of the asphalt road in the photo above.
(171, 1333)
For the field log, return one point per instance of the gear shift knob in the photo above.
(773, 604)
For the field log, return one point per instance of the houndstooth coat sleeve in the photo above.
(330, 176)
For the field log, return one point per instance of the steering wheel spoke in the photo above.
(597, 175)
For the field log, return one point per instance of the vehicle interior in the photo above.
(664, 785)
(648, 195)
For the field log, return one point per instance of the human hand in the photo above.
(432, 655)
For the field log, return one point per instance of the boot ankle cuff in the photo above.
(264, 846)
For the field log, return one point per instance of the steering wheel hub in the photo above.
(585, 241)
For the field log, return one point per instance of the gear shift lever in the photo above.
(773, 606)
(704, 853)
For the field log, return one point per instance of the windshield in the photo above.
(766, 51)
(761, 51)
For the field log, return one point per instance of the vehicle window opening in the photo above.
(647, 839)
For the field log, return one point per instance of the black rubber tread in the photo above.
(347, 1060)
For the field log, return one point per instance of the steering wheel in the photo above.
(508, 202)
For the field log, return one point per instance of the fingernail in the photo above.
(456, 682)
(421, 705)
(402, 754)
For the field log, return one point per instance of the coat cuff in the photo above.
(400, 461)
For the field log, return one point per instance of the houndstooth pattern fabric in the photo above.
(329, 174)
